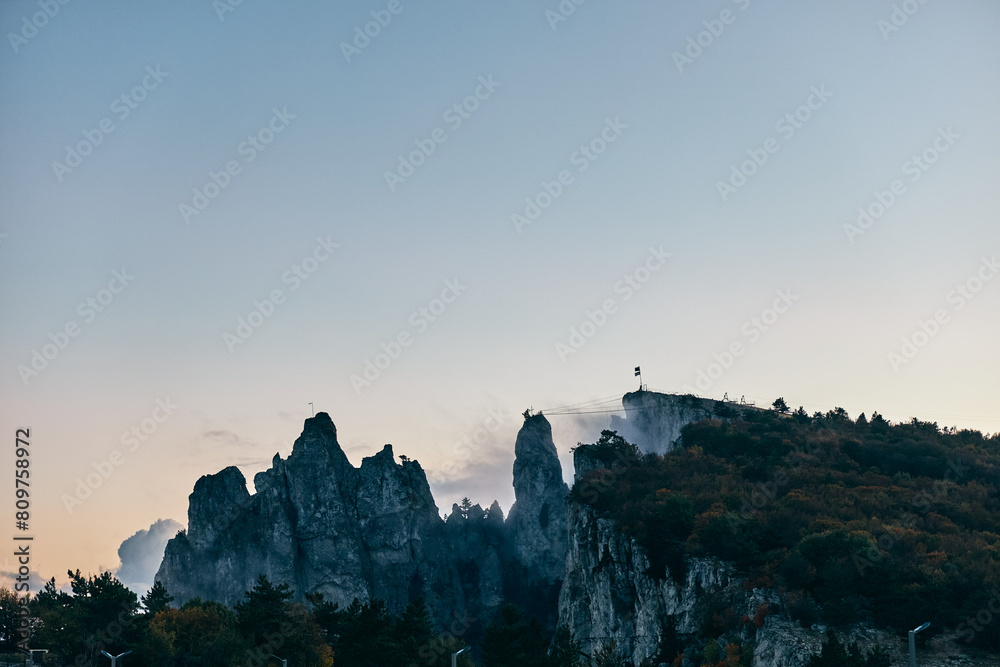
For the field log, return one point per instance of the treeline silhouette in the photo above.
(101, 614)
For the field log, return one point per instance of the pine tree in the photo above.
(263, 613)
(414, 629)
(509, 641)
(609, 655)
(157, 599)
(564, 652)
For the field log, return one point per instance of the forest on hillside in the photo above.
(850, 520)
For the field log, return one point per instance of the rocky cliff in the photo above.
(321, 525)
(653, 421)
(537, 520)
(607, 593)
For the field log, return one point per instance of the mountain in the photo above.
(711, 529)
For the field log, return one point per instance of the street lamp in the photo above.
(454, 656)
(114, 658)
(913, 643)
(284, 663)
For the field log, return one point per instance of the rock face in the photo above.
(654, 421)
(608, 594)
(321, 525)
(318, 524)
(537, 521)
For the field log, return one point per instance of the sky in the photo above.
(424, 218)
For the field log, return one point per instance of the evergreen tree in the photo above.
(157, 599)
(465, 507)
(10, 619)
(100, 614)
(414, 630)
(364, 636)
(262, 614)
(509, 641)
(564, 652)
(609, 655)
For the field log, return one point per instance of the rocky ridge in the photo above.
(323, 526)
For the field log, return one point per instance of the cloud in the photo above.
(142, 553)
(229, 438)
(9, 577)
(485, 478)
(484, 472)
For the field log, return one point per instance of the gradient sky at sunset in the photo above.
(614, 122)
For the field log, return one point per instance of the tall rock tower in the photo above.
(536, 524)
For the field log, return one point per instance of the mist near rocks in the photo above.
(142, 553)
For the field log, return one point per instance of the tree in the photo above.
(58, 627)
(465, 507)
(363, 635)
(102, 599)
(838, 414)
(609, 655)
(611, 448)
(272, 623)
(510, 641)
(779, 405)
(157, 599)
(712, 652)
(564, 651)
(198, 633)
(414, 629)
(262, 614)
(106, 609)
(10, 619)
(99, 615)
(801, 416)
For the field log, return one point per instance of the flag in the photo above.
(637, 370)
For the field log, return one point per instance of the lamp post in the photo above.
(114, 658)
(454, 656)
(913, 643)
(284, 663)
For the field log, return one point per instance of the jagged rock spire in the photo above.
(537, 520)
